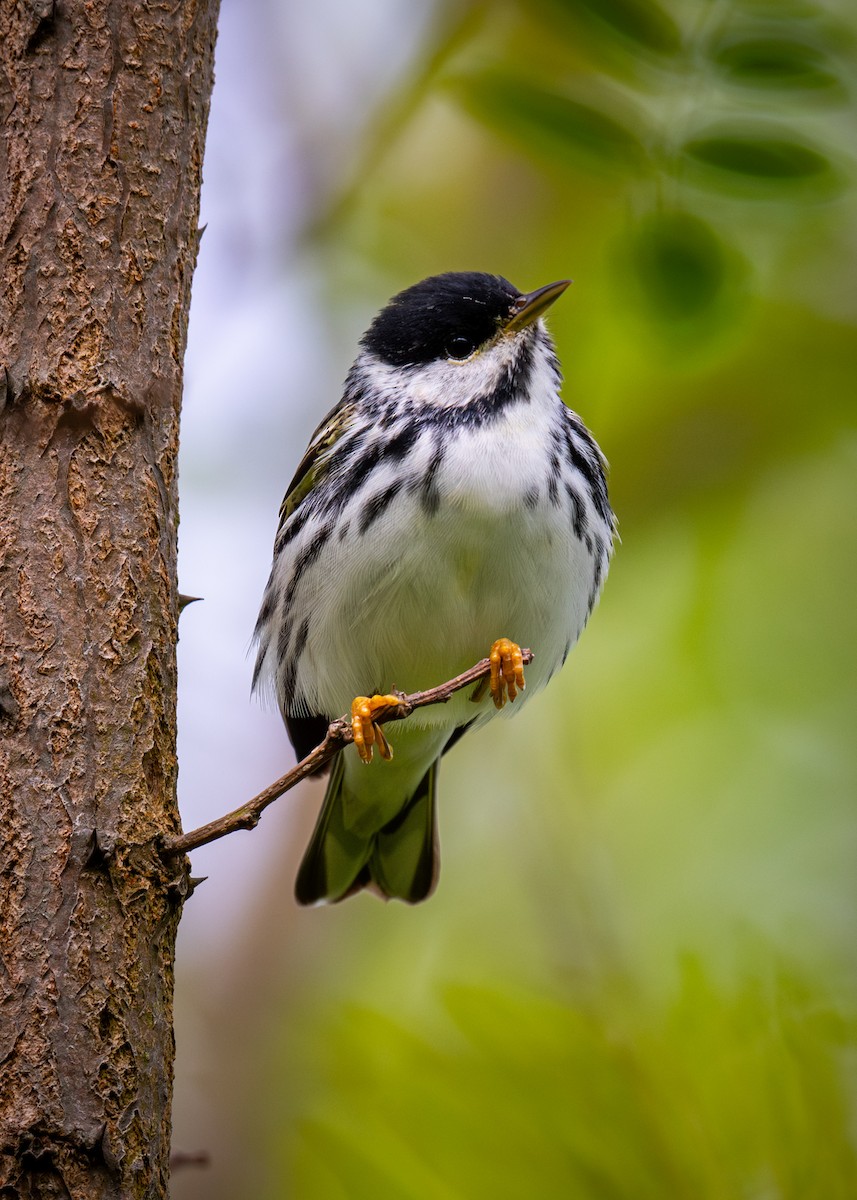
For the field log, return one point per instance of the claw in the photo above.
(507, 671)
(364, 728)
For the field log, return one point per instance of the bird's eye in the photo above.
(460, 348)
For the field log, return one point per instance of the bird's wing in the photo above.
(316, 459)
(306, 732)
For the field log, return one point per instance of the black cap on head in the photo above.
(444, 316)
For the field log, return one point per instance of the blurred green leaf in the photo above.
(679, 263)
(771, 62)
(517, 1093)
(547, 123)
(641, 22)
(767, 163)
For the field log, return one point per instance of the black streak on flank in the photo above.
(356, 475)
(553, 480)
(600, 552)
(600, 558)
(292, 527)
(588, 466)
(257, 668)
(376, 505)
(578, 515)
(307, 557)
(291, 664)
(359, 468)
(267, 609)
(283, 640)
(429, 494)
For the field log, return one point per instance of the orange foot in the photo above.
(507, 671)
(365, 711)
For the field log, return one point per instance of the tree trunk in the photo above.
(104, 104)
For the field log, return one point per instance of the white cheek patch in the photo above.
(446, 383)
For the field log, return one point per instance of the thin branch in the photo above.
(338, 737)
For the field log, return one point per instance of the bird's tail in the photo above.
(399, 861)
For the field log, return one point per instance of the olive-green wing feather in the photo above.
(316, 459)
(306, 732)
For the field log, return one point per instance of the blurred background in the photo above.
(637, 977)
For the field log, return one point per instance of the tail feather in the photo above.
(399, 861)
(335, 855)
(405, 860)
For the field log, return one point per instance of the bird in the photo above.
(450, 505)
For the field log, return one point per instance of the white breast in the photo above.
(424, 593)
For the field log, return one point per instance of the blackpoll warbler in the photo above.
(450, 501)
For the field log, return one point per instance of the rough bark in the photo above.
(104, 104)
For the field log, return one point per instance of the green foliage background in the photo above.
(637, 978)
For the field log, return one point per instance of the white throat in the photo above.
(445, 382)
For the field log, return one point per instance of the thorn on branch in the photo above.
(184, 1158)
(337, 738)
(180, 889)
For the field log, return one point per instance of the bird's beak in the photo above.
(528, 308)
